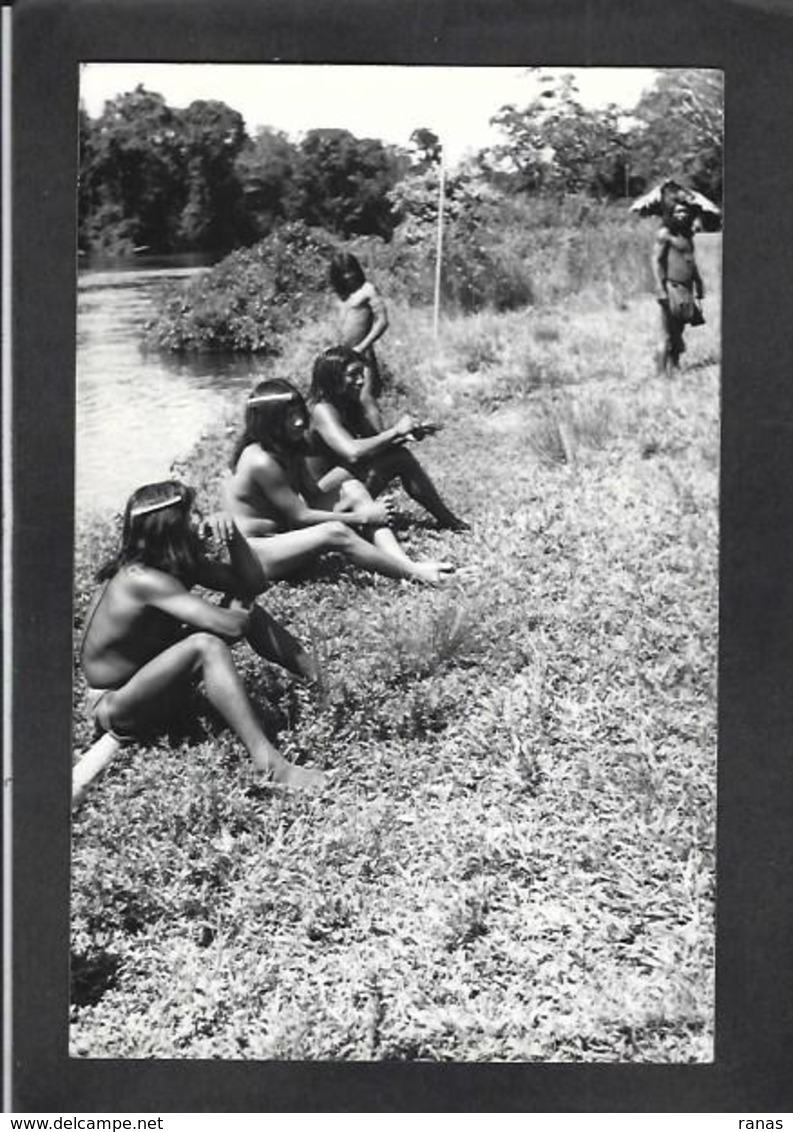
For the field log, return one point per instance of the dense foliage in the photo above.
(555, 145)
(498, 254)
(159, 178)
(173, 180)
(179, 180)
(680, 130)
(252, 298)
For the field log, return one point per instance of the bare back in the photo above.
(123, 632)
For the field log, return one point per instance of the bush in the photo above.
(499, 255)
(251, 298)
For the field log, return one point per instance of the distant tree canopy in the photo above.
(159, 178)
(343, 183)
(425, 147)
(680, 130)
(180, 180)
(556, 145)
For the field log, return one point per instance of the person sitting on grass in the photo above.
(288, 520)
(342, 440)
(363, 320)
(147, 637)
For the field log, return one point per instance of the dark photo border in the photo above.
(753, 44)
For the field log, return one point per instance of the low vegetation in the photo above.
(515, 860)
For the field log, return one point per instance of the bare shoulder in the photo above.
(663, 235)
(142, 583)
(323, 413)
(262, 467)
(254, 459)
(363, 295)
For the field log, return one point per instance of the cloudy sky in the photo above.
(370, 101)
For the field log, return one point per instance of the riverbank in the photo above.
(515, 861)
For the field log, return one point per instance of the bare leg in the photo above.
(402, 465)
(672, 341)
(351, 493)
(370, 391)
(282, 555)
(145, 696)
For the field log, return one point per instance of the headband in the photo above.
(145, 508)
(261, 398)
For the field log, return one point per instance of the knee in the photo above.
(209, 649)
(353, 491)
(337, 535)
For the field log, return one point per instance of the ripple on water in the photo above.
(138, 411)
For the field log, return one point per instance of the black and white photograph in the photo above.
(397, 652)
(396, 563)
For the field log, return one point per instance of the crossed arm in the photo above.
(164, 592)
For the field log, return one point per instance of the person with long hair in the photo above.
(363, 321)
(342, 438)
(147, 637)
(289, 521)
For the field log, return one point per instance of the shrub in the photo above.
(251, 298)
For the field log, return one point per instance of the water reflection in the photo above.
(139, 410)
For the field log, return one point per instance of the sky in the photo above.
(385, 102)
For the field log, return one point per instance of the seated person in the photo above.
(341, 436)
(147, 637)
(287, 518)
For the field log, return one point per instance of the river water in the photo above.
(139, 410)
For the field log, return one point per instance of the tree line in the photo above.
(169, 180)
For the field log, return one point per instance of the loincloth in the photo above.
(682, 304)
(93, 702)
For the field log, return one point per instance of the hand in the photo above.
(404, 426)
(380, 511)
(426, 428)
(219, 528)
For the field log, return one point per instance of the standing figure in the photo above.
(679, 287)
(343, 439)
(364, 319)
(287, 518)
(147, 638)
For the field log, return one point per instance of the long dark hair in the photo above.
(327, 375)
(156, 533)
(327, 384)
(346, 274)
(265, 418)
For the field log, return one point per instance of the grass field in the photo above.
(515, 860)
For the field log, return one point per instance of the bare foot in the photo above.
(432, 573)
(455, 524)
(290, 777)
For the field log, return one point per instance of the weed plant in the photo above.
(515, 860)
